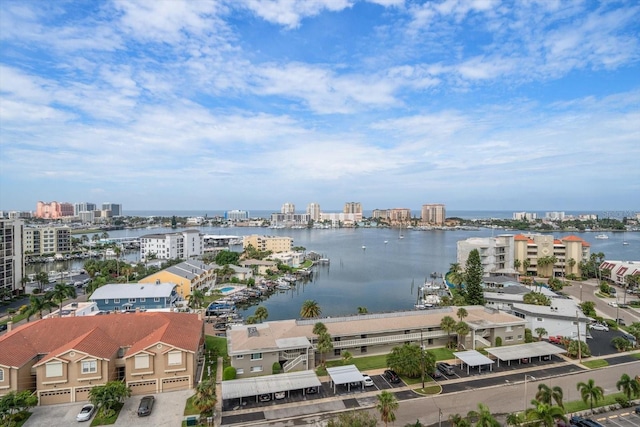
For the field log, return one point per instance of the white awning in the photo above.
(345, 374)
(473, 358)
(255, 386)
(525, 351)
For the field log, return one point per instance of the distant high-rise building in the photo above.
(116, 209)
(525, 216)
(83, 207)
(313, 210)
(11, 254)
(434, 213)
(554, 216)
(352, 208)
(400, 214)
(236, 215)
(288, 208)
(53, 210)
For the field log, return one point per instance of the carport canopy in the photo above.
(345, 375)
(473, 358)
(255, 386)
(524, 351)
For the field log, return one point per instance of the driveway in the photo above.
(167, 411)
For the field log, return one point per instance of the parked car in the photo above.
(436, 374)
(146, 406)
(311, 390)
(613, 303)
(620, 321)
(86, 412)
(279, 395)
(555, 339)
(446, 368)
(600, 327)
(368, 382)
(391, 376)
(3, 327)
(637, 410)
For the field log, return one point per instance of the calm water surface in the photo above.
(379, 277)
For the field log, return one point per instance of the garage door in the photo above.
(170, 384)
(55, 396)
(82, 394)
(143, 387)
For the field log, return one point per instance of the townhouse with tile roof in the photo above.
(62, 358)
(254, 349)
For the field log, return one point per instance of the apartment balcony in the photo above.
(387, 339)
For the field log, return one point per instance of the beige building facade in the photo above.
(567, 252)
(274, 244)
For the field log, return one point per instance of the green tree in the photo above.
(346, 357)
(462, 329)
(387, 405)
(634, 329)
(590, 392)
(107, 397)
(60, 293)
(544, 414)
(43, 279)
(515, 419)
(310, 309)
(629, 386)
(549, 395)
(37, 305)
(362, 310)
(196, 299)
(319, 328)
(455, 275)
(205, 398)
(577, 348)
(410, 360)
(458, 420)
(462, 313)
(540, 332)
(353, 419)
(473, 279)
(227, 257)
(448, 324)
(15, 403)
(324, 346)
(229, 373)
(261, 313)
(483, 417)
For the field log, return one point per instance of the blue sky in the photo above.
(247, 104)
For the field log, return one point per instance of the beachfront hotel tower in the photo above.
(433, 214)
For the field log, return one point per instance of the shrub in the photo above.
(229, 373)
(276, 368)
(498, 341)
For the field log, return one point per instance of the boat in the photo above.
(364, 247)
(602, 236)
(386, 241)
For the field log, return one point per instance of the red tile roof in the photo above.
(520, 237)
(99, 336)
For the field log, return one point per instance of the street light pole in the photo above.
(526, 376)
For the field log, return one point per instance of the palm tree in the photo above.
(544, 414)
(483, 416)
(324, 345)
(319, 328)
(590, 392)
(205, 398)
(448, 324)
(60, 293)
(310, 309)
(106, 397)
(458, 420)
(261, 313)
(516, 264)
(37, 305)
(525, 265)
(541, 332)
(196, 299)
(629, 386)
(515, 419)
(455, 274)
(43, 279)
(387, 404)
(549, 395)
(462, 329)
(346, 357)
(462, 313)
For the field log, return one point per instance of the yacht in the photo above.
(602, 236)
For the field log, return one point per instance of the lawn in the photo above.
(442, 353)
(363, 363)
(215, 347)
(594, 364)
(579, 405)
(99, 420)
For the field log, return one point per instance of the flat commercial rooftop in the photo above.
(255, 386)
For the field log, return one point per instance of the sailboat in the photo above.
(624, 239)
(401, 236)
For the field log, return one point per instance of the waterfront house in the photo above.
(135, 296)
(253, 349)
(564, 317)
(62, 358)
(187, 275)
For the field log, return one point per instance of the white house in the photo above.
(564, 317)
(181, 245)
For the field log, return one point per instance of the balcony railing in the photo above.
(388, 339)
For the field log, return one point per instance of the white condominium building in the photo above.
(11, 258)
(182, 245)
(313, 210)
(496, 254)
(288, 208)
(47, 240)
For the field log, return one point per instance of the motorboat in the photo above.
(602, 236)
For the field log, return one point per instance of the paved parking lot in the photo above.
(620, 418)
(167, 411)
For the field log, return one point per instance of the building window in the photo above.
(256, 356)
(89, 367)
(240, 356)
(363, 349)
(239, 371)
(141, 361)
(336, 352)
(508, 329)
(510, 338)
(1, 375)
(175, 358)
(519, 337)
(143, 299)
(106, 301)
(255, 369)
(539, 319)
(156, 299)
(132, 300)
(53, 369)
(116, 301)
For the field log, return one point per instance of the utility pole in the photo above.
(579, 342)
